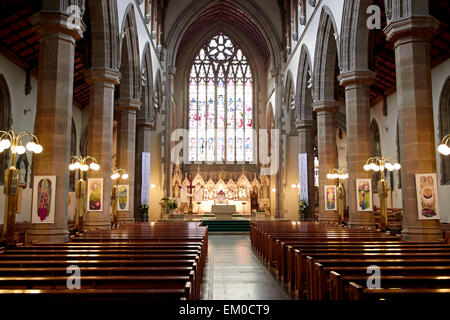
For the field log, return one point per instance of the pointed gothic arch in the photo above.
(221, 103)
(147, 111)
(444, 129)
(130, 84)
(303, 99)
(326, 57)
(5, 122)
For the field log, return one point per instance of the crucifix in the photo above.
(190, 187)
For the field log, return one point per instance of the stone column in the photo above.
(142, 145)
(278, 80)
(326, 136)
(411, 38)
(54, 115)
(171, 70)
(304, 128)
(357, 105)
(126, 149)
(100, 138)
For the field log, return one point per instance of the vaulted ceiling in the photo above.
(227, 14)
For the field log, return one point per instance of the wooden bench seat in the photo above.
(357, 292)
(339, 283)
(106, 295)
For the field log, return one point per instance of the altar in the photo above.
(218, 196)
(223, 211)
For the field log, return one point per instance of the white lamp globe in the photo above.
(329, 176)
(397, 166)
(38, 148)
(115, 176)
(30, 146)
(20, 150)
(84, 167)
(94, 166)
(443, 149)
(293, 186)
(71, 167)
(366, 167)
(5, 144)
(125, 176)
(389, 166)
(77, 165)
(376, 168)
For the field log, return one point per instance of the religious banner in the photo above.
(145, 186)
(364, 195)
(123, 192)
(330, 198)
(44, 189)
(95, 194)
(303, 176)
(427, 196)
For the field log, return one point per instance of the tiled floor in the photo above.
(234, 272)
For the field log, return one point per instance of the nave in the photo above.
(180, 261)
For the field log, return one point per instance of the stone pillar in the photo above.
(411, 38)
(143, 136)
(171, 70)
(54, 115)
(326, 136)
(278, 80)
(304, 128)
(357, 105)
(100, 138)
(126, 149)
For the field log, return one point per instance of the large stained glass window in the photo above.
(221, 104)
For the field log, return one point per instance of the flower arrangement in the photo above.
(171, 204)
(302, 207)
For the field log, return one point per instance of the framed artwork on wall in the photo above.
(364, 200)
(95, 194)
(330, 198)
(123, 196)
(44, 189)
(427, 196)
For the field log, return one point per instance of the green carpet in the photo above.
(227, 225)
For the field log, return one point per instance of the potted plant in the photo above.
(302, 207)
(143, 210)
(172, 205)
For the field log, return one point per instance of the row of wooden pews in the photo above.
(321, 261)
(142, 261)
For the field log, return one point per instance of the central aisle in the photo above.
(234, 272)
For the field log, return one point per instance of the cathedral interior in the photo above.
(121, 113)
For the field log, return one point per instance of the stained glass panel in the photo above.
(220, 104)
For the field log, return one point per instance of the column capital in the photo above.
(303, 124)
(53, 22)
(145, 123)
(421, 27)
(126, 104)
(107, 75)
(171, 70)
(325, 106)
(275, 72)
(357, 77)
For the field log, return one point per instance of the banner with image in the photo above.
(364, 200)
(95, 194)
(123, 196)
(44, 189)
(427, 196)
(330, 198)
